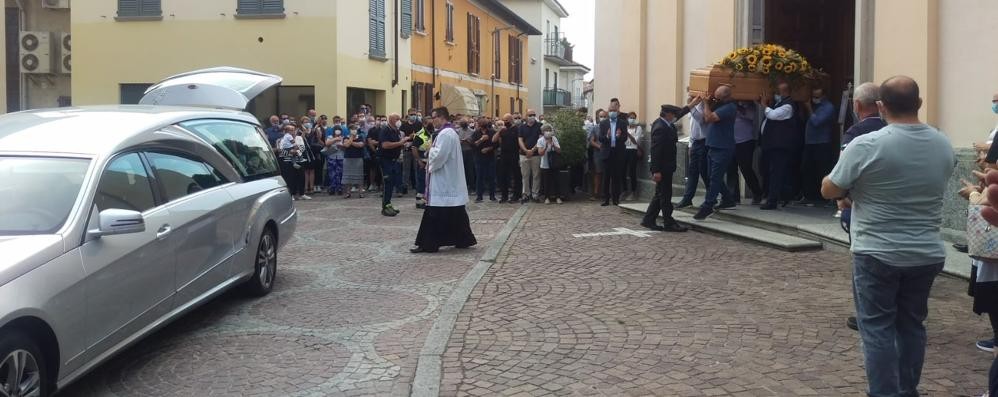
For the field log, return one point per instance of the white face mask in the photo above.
(548, 134)
(398, 124)
(632, 121)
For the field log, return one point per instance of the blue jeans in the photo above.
(696, 169)
(391, 170)
(420, 178)
(485, 176)
(720, 159)
(891, 305)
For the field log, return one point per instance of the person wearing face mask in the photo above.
(508, 169)
(485, 161)
(410, 126)
(664, 137)
(466, 128)
(275, 131)
(780, 140)
(819, 150)
(612, 137)
(421, 142)
(719, 114)
(390, 147)
(548, 149)
(372, 166)
(986, 145)
(596, 164)
(632, 157)
(309, 157)
(530, 163)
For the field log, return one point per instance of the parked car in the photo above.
(116, 220)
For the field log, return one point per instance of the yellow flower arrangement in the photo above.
(770, 59)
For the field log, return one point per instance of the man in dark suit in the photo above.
(781, 139)
(613, 151)
(663, 165)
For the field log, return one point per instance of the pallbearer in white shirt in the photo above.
(445, 220)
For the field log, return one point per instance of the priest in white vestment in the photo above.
(445, 221)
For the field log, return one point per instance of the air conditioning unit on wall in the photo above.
(65, 52)
(55, 3)
(35, 52)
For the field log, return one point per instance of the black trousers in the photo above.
(662, 202)
(630, 182)
(779, 162)
(469, 169)
(549, 177)
(744, 162)
(817, 163)
(509, 170)
(293, 177)
(613, 177)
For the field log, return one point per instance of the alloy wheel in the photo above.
(266, 260)
(20, 375)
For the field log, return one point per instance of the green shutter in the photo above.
(406, 21)
(150, 8)
(376, 30)
(248, 6)
(272, 7)
(128, 8)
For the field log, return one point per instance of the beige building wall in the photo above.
(968, 69)
(907, 42)
(318, 43)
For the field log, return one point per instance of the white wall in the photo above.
(968, 69)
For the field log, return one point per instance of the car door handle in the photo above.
(163, 231)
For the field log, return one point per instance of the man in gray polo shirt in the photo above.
(896, 178)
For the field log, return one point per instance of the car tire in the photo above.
(23, 354)
(264, 265)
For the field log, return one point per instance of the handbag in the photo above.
(982, 238)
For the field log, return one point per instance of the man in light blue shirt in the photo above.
(819, 150)
(697, 164)
(896, 178)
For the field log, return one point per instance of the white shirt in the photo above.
(542, 143)
(445, 185)
(781, 113)
(991, 138)
(698, 130)
(637, 133)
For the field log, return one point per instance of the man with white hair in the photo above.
(864, 103)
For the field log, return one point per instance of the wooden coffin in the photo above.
(747, 86)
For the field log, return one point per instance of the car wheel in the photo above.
(22, 367)
(265, 265)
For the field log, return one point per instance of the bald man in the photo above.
(896, 178)
(719, 114)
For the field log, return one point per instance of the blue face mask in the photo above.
(778, 98)
(613, 115)
(994, 107)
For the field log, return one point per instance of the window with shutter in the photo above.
(139, 9)
(450, 23)
(376, 29)
(418, 9)
(406, 20)
(496, 55)
(474, 47)
(260, 8)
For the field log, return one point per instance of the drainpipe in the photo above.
(433, 44)
(519, 103)
(398, 31)
(21, 79)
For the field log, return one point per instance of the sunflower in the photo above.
(766, 60)
(743, 51)
(781, 54)
(739, 67)
(752, 59)
(767, 51)
(733, 55)
(778, 66)
(764, 69)
(752, 68)
(790, 68)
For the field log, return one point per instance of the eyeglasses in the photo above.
(531, 115)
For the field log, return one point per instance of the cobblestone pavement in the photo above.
(678, 315)
(348, 315)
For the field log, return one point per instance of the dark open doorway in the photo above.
(822, 30)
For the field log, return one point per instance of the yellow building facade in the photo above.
(945, 45)
(469, 55)
(326, 51)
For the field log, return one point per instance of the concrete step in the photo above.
(744, 232)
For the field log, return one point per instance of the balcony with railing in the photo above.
(558, 50)
(557, 98)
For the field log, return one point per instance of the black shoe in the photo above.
(605, 204)
(478, 200)
(725, 206)
(851, 323)
(420, 250)
(675, 227)
(785, 203)
(768, 207)
(524, 200)
(756, 200)
(961, 247)
(653, 226)
(492, 199)
(683, 204)
(387, 211)
(703, 213)
(462, 247)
